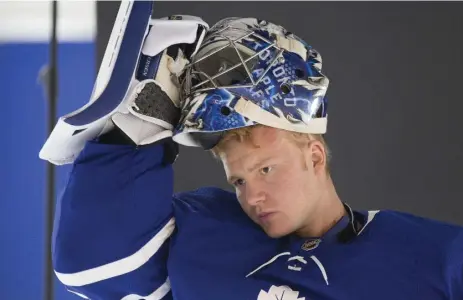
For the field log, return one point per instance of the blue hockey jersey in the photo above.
(121, 233)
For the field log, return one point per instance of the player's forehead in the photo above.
(263, 144)
(259, 139)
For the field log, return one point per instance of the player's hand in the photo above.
(151, 107)
(136, 86)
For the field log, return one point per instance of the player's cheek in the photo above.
(277, 184)
(242, 201)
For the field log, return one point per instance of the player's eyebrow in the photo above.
(251, 169)
(259, 164)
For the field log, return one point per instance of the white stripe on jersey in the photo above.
(156, 295)
(122, 266)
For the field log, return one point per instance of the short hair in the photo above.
(245, 133)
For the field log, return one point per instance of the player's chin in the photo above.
(277, 230)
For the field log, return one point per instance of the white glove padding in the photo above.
(140, 131)
(136, 85)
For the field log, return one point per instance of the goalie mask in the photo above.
(248, 72)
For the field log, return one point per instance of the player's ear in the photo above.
(316, 155)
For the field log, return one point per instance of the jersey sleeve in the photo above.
(455, 268)
(113, 223)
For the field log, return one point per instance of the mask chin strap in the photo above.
(253, 112)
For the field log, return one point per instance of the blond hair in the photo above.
(245, 133)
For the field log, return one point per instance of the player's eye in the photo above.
(265, 170)
(238, 182)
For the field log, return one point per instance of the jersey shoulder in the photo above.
(211, 202)
(422, 227)
(421, 235)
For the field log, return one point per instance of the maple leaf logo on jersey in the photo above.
(279, 293)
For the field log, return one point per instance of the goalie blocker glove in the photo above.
(152, 108)
(137, 85)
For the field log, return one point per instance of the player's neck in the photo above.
(327, 213)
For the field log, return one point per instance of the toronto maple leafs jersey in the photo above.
(121, 233)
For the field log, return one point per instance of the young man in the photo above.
(254, 94)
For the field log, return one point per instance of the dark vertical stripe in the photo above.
(52, 87)
(106, 16)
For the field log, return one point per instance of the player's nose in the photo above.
(254, 194)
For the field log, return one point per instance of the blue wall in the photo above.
(23, 118)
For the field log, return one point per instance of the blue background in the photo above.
(23, 118)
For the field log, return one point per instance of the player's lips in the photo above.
(265, 216)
